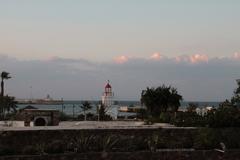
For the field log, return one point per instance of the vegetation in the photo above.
(83, 141)
(160, 99)
(102, 113)
(189, 119)
(141, 114)
(236, 98)
(4, 76)
(226, 115)
(64, 117)
(192, 107)
(85, 107)
(7, 103)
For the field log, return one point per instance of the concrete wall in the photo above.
(174, 155)
(97, 139)
(114, 140)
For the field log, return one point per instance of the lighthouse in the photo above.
(107, 97)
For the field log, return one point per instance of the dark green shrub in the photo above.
(80, 117)
(56, 146)
(165, 117)
(207, 138)
(30, 150)
(189, 119)
(230, 137)
(225, 116)
(142, 113)
(106, 143)
(82, 142)
(64, 117)
(7, 151)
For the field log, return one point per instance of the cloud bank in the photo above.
(197, 77)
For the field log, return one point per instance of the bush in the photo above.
(210, 138)
(206, 139)
(106, 117)
(189, 119)
(80, 117)
(30, 150)
(6, 151)
(141, 113)
(56, 146)
(165, 117)
(228, 116)
(64, 117)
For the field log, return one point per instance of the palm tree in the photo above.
(4, 75)
(10, 105)
(7, 104)
(85, 106)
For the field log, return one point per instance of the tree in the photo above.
(192, 107)
(85, 106)
(160, 99)
(236, 98)
(103, 116)
(227, 115)
(4, 75)
(8, 104)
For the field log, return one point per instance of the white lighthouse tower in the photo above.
(107, 97)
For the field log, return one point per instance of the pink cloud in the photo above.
(156, 56)
(121, 59)
(182, 58)
(196, 58)
(236, 56)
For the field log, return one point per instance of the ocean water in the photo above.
(73, 107)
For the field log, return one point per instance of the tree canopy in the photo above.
(161, 99)
(236, 98)
(85, 106)
(7, 105)
(4, 75)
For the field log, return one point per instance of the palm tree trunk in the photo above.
(2, 104)
(2, 88)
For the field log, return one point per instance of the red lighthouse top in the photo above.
(108, 85)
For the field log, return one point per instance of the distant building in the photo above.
(39, 117)
(108, 96)
(204, 110)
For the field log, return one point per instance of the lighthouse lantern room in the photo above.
(107, 97)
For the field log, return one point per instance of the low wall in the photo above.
(42, 142)
(167, 155)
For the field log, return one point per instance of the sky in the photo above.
(69, 49)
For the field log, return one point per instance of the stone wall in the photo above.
(127, 139)
(43, 142)
(166, 155)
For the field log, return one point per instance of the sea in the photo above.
(72, 108)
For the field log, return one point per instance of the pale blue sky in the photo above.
(101, 30)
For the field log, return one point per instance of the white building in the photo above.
(107, 97)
